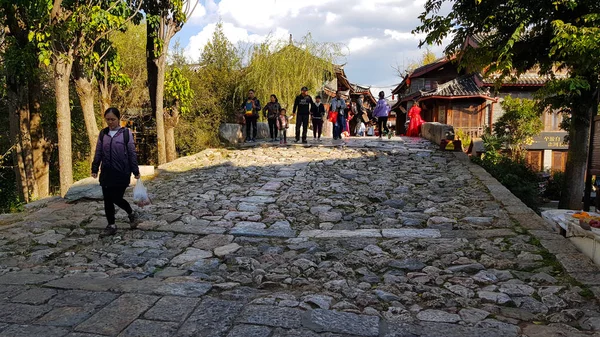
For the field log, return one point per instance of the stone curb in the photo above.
(566, 253)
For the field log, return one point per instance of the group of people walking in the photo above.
(306, 110)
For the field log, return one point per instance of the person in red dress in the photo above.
(414, 127)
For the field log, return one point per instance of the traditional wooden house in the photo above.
(471, 103)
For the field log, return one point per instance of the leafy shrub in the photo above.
(514, 174)
(555, 186)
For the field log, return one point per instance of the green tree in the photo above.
(282, 68)
(178, 99)
(23, 89)
(522, 35)
(163, 20)
(130, 45)
(70, 31)
(427, 57)
(214, 81)
(518, 125)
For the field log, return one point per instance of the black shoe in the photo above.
(110, 230)
(297, 141)
(304, 142)
(134, 220)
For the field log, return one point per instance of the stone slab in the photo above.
(172, 309)
(249, 331)
(120, 313)
(577, 263)
(33, 330)
(288, 318)
(334, 234)
(35, 296)
(266, 232)
(26, 278)
(144, 328)
(191, 229)
(213, 317)
(411, 233)
(21, 313)
(66, 316)
(321, 320)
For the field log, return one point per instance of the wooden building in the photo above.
(471, 103)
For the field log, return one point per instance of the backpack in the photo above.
(125, 137)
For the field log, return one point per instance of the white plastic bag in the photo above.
(140, 194)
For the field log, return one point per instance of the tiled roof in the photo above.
(527, 79)
(461, 86)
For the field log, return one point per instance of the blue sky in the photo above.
(377, 33)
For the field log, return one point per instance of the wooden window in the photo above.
(467, 118)
(559, 161)
(535, 160)
(552, 121)
(441, 117)
(427, 84)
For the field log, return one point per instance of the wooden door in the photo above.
(559, 161)
(534, 160)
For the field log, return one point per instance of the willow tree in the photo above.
(163, 20)
(280, 67)
(524, 35)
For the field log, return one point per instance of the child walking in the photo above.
(282, 126)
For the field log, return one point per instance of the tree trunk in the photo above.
(105, 90)
(171, 121)
(41, 146)
(85, 92)
(579, 137)
(62, 72)
(27, 147)
(160, 114)
(17, 151)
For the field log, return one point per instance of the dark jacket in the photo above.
(317, 112)
(118, 160)
(256, 109)
(302, 104)
(272, 110)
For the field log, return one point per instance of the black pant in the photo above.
(381, 124)
(251, 122)
(301, 121)
(273, 127)
(113, 195)
(317, 127)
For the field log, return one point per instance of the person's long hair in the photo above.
(276, 100)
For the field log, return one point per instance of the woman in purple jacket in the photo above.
(382, 111)
(116, 151)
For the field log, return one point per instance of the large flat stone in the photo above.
(21, 313)
(172, 309)
(577, 263)
(249, 331)
(288, 318)
(191, 229)
(438, 316)
(144, 328)
(33, 330)
(26, 278)
(334, 234)
(35, 296)
(66, 316)
(213, 317)
(321, 320)
(191, 255)
(411, 233)
(120, 313)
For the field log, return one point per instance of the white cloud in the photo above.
(377, 33)
(198, 15)
(262, 14)
(331, 17)
(396, 35)
(234, 34)
(357, 44)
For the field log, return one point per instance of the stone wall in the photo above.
(235, 133)
(435, 132)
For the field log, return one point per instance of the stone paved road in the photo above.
(389, 238)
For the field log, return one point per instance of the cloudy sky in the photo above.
(377, 33)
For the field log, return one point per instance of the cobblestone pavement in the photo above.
(390, 238)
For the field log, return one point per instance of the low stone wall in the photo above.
(436, 132)
(236, 133)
